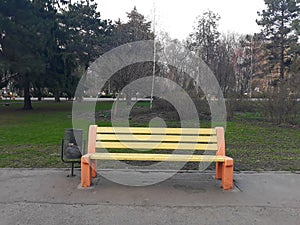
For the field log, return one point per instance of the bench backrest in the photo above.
(144, 138)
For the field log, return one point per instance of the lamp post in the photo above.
(154, 59)
(251, 67)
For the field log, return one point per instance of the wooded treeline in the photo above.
(46, 45)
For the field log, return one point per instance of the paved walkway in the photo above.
(47, 196)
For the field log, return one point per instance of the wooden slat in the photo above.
(153, 145)
(156, 130)
(157, 157)
(153, 138)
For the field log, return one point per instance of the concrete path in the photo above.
(47, 196)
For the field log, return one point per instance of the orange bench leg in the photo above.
(92, 149)
(86, 177)
(219, 170)
(93, 168)
(227, 174)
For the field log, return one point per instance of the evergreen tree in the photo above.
(136, 29)
(82, 36)
(278, 22)
(87, 36)
(22, 42)
(205, 38)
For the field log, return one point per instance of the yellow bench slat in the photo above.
(153, 138)
(157, 157)
(153, 145)
(156, 130)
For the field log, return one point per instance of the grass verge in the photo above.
(32, 138)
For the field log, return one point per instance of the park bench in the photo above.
(138, 138)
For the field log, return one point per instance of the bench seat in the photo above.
(156, 157)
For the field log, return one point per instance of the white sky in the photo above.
(178, 17)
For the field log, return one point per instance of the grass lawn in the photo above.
(32, 138)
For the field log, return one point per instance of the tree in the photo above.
(278, 22)
(81, 37)
(215, 51)
(205, 38)
(44, 42)
(87, 36)
(23, 28)
(136, 29)
(248, 62)
(223, 66)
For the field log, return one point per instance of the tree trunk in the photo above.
(128, 97)
(115, 109)
(282, 47)
(39, 94)
(56, 96)
(282, 62)
(27, 99)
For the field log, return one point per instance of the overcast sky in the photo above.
(178, 17)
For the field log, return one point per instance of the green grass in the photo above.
(32, 138)
(259, 145)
